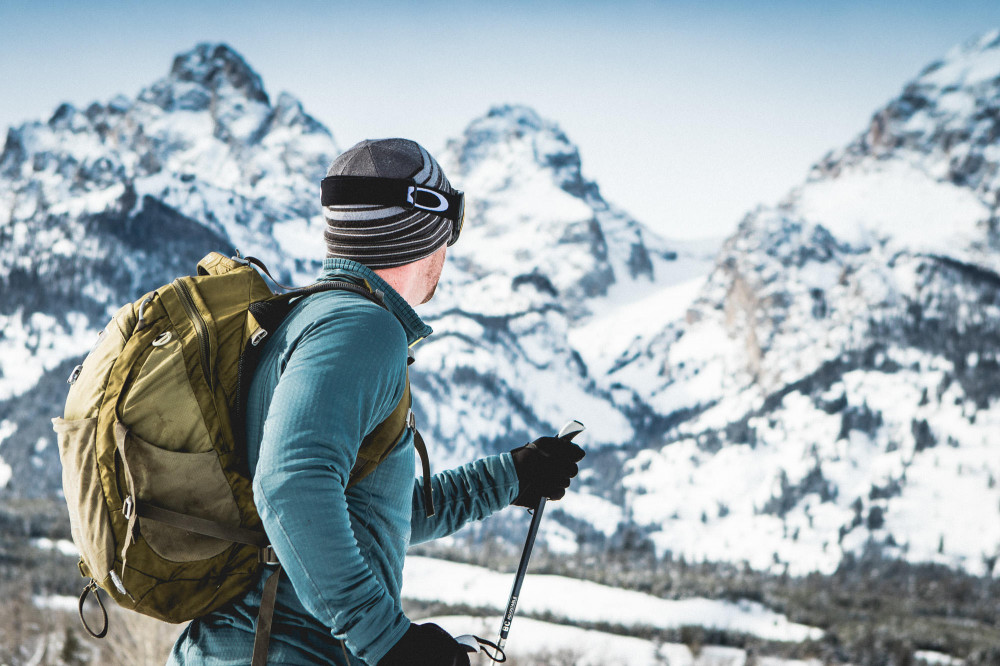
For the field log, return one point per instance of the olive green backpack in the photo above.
(154, 467)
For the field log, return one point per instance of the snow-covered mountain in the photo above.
(99, 205)
(826, 383)
(541, 254)
(839, 371)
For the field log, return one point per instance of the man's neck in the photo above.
(403, 280)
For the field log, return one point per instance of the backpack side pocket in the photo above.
(191, 484)
(88, 509)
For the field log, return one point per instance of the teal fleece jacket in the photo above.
(333, 370)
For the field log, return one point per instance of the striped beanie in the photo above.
(381, 236)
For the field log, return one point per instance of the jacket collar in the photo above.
(338, 268)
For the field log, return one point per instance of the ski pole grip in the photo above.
(570, 430)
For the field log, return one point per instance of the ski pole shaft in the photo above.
(522, 569)
(568, 431)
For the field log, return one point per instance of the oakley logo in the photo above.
(411, 195)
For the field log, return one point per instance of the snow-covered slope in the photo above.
(566, 602)
(584, 602)
(838, 373)
(537, 642)
(824, 383)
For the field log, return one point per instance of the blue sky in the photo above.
(687, 114)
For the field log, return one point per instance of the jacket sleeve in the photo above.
(311, 436)
(470, 492)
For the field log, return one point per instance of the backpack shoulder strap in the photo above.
(374, 295)
(381, 441)
(269, 313)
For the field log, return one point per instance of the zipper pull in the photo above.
(141, 323)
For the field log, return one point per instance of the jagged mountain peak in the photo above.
(204, 141)
(964, 57)
(289, 112)
(929, 155)
(957, 90)
(516, 122)
(511, 122)
(215, 80)
(217, 68)
(210, 117)
(518, 136)
(527, 192)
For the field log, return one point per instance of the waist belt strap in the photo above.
(262, 637)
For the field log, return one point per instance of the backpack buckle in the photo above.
(128, 508)
(266, 555)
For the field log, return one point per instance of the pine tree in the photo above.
(72, 649)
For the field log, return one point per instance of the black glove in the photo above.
(426, 645)
(544, 468)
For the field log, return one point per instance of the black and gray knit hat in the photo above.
(382, 236)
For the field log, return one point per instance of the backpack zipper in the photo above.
(200, 329)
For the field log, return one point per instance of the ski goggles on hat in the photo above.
(369, 190)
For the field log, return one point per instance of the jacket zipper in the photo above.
(200, 329)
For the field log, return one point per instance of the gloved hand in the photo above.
(544, 468)
(426, 645)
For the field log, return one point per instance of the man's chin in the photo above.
(430, 295)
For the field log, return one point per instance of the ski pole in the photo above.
(476, 644)
(569, 431)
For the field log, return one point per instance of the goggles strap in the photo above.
(365, 190)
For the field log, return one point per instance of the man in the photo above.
(330, 374)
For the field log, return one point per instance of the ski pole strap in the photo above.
(498, 656)
(92, 586)
(265, 614)
(474, 644)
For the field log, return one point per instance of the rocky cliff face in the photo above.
(840, 366)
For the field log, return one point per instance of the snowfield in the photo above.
(586, 602)
(532, 638)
